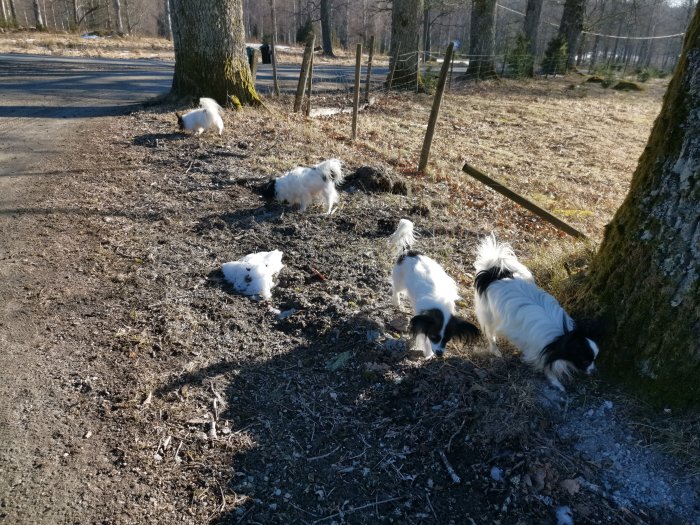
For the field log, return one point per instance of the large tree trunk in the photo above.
(646, 277)
(406, 16)
(326, 28)
(531, 28)
(210, 55)
(571, 27)
(482, 40)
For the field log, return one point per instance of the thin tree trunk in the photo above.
(13, 12)
(571, 27)
(118, 15)
(76, 13)
(326, 28)
(39, 21)
(645, 280)
(594, 52)
(531, 27)
(210, 55)
(168, 21)
(482, 40)
(129, 28)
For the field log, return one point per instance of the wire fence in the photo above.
(465, 70)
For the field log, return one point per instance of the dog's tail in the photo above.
(332, 168)
(403, 238)
(210, 105)
(496, 260)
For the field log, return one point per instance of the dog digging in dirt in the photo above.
(508, 303)
(202, 119)
(304, 185)
(432, 294)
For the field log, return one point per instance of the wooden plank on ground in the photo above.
(525, 203)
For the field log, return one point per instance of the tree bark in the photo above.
(168, 21)
(118, 15)
(13, 13)
(39, 21)
(406, 16)
(571, 27)
(482, 40)
(326, 28)
(531, 28)
(210, 56)
(645, 279)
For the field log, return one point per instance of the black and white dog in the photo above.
(432, 294)
(302, 185)
(508, 303)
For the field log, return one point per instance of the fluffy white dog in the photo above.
(432, 294)
(254, 273)
(508, 303)
(202, 119)
(303, 185)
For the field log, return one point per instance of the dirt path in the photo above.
(49, 448)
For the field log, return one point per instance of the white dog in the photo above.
(302, 185)
(508, 303)
(202, 119)
(432, 294)
(254, 273)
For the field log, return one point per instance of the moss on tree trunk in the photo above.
(645, 278)
(210, 55)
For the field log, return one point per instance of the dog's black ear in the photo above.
(461, 329)
(427, 324)
(180, 123)
(267, 189)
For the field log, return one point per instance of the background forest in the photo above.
(637, 33)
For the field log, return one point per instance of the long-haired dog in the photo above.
(304, 185)
(432, 294)
(202, 119)
(508, 303)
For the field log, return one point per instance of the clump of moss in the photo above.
(625, 85)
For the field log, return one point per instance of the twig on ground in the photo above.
(323, 455)
(449, 443)
(317, 273)
(451, 471)
(355, 509)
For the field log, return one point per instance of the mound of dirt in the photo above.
(374, 179)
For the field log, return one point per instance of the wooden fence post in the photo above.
(308, 52)
(452, 68)
(393, 68)
(356, 99)
(253, 63)
(309, 85)
(369, 67)
(525, 203)
(432, 121)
